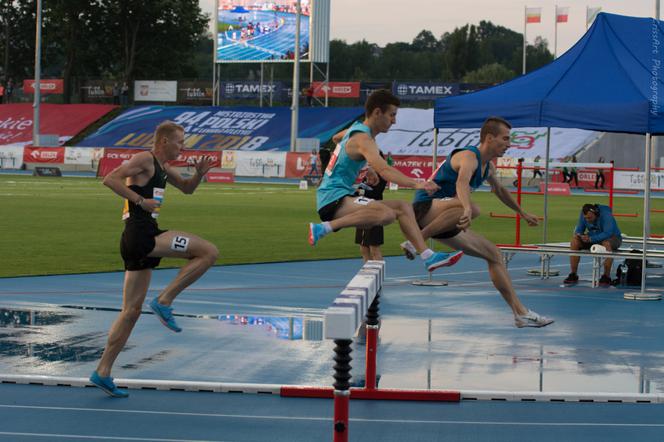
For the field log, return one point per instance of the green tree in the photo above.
(152, 39)
(489, 73)
(17, 44)
(71, 42)
(460, 52)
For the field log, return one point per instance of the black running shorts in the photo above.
(138, 240)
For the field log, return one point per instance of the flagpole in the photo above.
(525, 23)
(587, 7)
(555, 33)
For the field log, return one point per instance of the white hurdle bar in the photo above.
(342, 321)
(346, 314)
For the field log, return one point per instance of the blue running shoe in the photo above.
(316, 232)
(165, 315)
(440, 259)
(107, 385)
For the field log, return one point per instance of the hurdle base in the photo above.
(429, 282)
(538, 272)
(377, 394)
(638, 296)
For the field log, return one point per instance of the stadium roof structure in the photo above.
(610, 80)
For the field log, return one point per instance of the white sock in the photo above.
(426, 254)
(326, 225)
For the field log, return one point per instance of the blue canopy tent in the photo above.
(608, 81)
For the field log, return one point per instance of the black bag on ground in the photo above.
(634, 270)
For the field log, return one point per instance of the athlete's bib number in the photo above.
(362, 200)
(180, 244)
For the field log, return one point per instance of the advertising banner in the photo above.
(253, 30)
(232, 90)
(368, 87)
(84, 156)
(263, 164)
(11, 157)
(413, 135)
(195, 92)
(113, 158)
(43, 154)
(416, 167)
(297, 165)
(147, 90)
(65, 120)
(337, 89)
(228, 159)
(636, 180)
(220, 128)
(424, 91)
(97, 90)
(220, 177)
(52, 86)
(188, 157)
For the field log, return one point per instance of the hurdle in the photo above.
(343, 319)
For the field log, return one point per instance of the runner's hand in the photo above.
(203, 165)
(530, 219)
(429, 186)
(466, 218)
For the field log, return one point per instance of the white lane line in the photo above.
(326, 419)
(80, 436)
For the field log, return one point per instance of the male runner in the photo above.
(141, 182)
(338, 207)
(446, 215)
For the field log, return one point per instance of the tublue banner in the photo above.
(216, 128)
(424, 91)
(251, 89)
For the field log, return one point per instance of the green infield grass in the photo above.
(73, 225)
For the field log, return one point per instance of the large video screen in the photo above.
(256, 31)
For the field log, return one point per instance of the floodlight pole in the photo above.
(215, 36)
(36, 85)
(295, 103)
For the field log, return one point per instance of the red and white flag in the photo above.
(561, 14)
(533, 15)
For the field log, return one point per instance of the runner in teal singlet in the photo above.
(446, 215)
(339, 208)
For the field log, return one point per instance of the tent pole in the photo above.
(642, 295)
(546, 185)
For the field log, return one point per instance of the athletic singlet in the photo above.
(342, 171)
(153, 189)
(446, 177)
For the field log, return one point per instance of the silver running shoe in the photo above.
(408, 249)
(531, 319)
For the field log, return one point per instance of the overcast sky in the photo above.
(388, 21)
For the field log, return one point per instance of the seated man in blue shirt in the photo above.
(596, 226)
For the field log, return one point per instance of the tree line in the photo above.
(125, 40)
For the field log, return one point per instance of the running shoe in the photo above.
(604, 281)
(531, 319)
(440, 259)
(165, 315)
(572, 278)
(316, 232)
(107, 385)
(408, 249)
